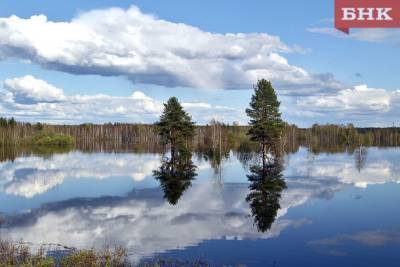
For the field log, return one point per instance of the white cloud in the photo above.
(147, 49)
(360, 103)
(32, 99)
(358, 98)
(28, 89)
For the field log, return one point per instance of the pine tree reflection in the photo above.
(266, 186)
(176, 174)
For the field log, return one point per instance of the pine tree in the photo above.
(12, 122)
(265, 118)
(3, 122)
(175, 126)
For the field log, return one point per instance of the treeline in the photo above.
(4, 122)
(214, 136)
(336, 135)
(13, 133)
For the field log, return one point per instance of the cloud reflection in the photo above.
(143, 222)
(31, 176)
(380, 167)
(146, 224)
(369, 238)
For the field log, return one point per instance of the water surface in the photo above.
(339, 209)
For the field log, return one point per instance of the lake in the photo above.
(338, 209)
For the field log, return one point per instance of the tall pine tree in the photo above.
(265, 118)
(175, 126)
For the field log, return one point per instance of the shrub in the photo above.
(20, 255)
(107, 257)
(44, 138)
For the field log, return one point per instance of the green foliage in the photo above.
(4, 122)
(265, 118)
(38, 126)
(12, 122)
(108, 258)
(44, 138)
(175, 125)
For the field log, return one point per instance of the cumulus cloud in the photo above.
(360, 103)
(359, 98)
(29, 98)
(28, 89)
(146, 49)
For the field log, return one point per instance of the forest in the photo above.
(211, 136)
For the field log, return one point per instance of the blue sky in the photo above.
(321, 75)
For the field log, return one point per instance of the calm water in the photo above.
(338, 209)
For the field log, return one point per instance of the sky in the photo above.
(119, 61)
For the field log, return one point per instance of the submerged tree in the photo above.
(266, 186)
(176, 174)
(266, 181)
(265, 118)
(175, 126)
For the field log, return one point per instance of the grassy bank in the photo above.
(19, 254)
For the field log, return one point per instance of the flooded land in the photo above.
(328, 209)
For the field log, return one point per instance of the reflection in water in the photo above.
(266, 186)
(10, 153)
(176, 174)
(146, 224)
(32, 176)
(361, 157)
(215, 157)
(310, 162)
(369, 238)
(248, 155)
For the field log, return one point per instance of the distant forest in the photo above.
(215, 135)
